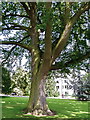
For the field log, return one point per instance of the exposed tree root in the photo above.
(40, 112)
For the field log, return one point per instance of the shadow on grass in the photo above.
(65, 110)
(70, 108)
(4, 96)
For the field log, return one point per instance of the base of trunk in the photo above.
(37, 104)
(40, 112)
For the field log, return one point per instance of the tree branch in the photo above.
(8, 54)
(59, 65)
(65, 35)
(15, 26)
(16, 43)
(33, 11)
(29, 4)
(15, 15)
(67, 12)
(62, 41)
(13, 49)
(48, 34)
(46, 63)
(26, 8)
(82, 9)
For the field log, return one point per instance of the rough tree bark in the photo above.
(37, 101)
(37, 104)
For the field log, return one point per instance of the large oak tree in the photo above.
(53, 33)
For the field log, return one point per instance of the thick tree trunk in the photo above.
(37, 102)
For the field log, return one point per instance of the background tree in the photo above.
(53, 33)
(6, 81)
(86, 84)
(21, 82)
(50, 87)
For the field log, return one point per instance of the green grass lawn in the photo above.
(12, 108)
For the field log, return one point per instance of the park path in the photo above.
(47, 97)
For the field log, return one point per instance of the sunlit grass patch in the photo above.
(13, 108)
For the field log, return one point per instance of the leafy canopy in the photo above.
(17, 30)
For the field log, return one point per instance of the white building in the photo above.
(64, 87)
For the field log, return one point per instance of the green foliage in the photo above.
(50, 88)
(86, 77)
(21, 82)
(86, 84)
(6, 81)
(76, 45)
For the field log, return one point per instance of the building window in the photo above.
(65, 81)
(70, 87)
(66, 93)
(65, 86)
(57, 87)
(57, 81)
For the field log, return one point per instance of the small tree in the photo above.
(6, 81)
(21, 81)
(86, 84)
(50, 88)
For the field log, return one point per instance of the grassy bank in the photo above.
(12, 108)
